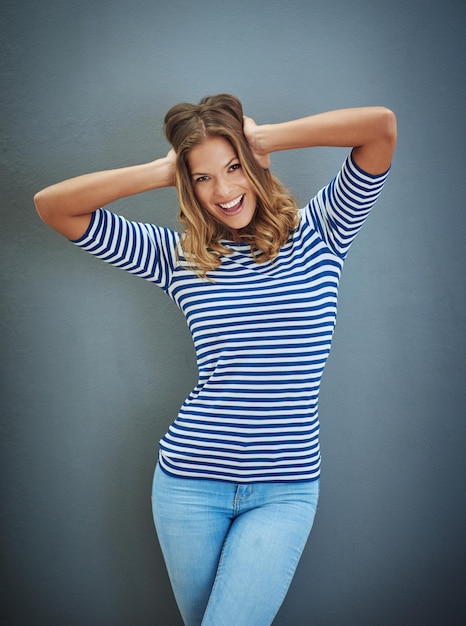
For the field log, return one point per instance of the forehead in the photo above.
(212, 153)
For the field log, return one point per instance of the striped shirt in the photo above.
(262, 334)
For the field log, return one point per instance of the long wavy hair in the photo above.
(188, 125)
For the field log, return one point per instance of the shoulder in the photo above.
(111, 227)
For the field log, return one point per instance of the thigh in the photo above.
(191, 527)
(260, 557)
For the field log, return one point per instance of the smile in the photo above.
(233, 206)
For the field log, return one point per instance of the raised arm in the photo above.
(370, 131)
(67, 206)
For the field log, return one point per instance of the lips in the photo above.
(232, 207)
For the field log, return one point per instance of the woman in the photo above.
(236, 485)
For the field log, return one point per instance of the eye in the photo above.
(200, 179)
(234, 166)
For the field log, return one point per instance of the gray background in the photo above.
(95, 363)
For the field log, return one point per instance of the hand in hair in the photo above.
(250, 129)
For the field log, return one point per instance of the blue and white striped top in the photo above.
(262, 334)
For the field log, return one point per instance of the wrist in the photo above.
(262, 141)
(162, 172)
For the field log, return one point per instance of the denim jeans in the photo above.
(231, 550)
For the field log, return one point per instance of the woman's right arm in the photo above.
(67, 207)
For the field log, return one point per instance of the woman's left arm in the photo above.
(370, 131)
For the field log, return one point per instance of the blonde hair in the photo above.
(188, 125)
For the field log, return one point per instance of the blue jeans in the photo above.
(231, 550)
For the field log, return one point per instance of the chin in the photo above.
(244, 223)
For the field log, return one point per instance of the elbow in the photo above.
(385, 133)
(39, 203)
(388, 125)
(43, 204)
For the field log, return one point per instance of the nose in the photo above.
(222, 188)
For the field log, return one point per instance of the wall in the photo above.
(95, 363)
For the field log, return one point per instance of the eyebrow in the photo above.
(235, 158)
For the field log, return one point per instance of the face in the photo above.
(220, 184)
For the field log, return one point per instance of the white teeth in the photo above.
(230, 205)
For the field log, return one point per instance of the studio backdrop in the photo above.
(95, 362)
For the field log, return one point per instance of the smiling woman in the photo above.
(207, 137)
(220, 184)
(237, 481)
